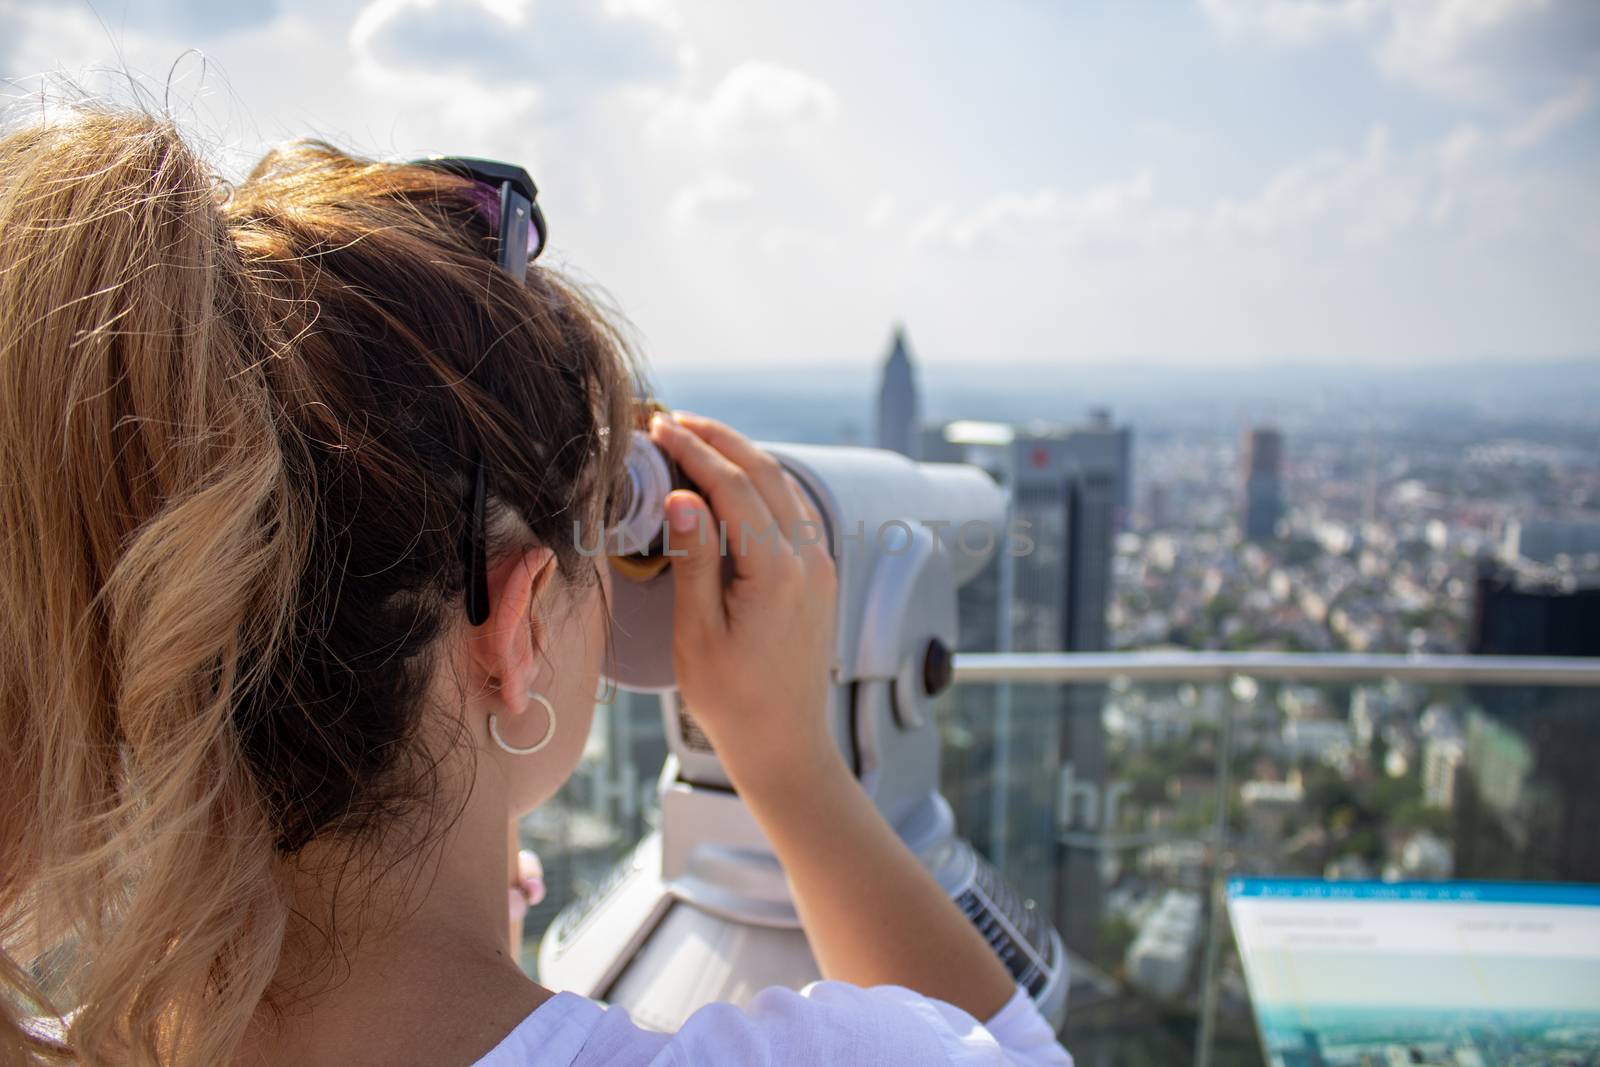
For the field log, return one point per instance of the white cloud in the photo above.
(881, 212)
(714, 196)
(709, 195)
(1471, 50)
(1432, 42)
(419, 51)
(753, 99)
(797, 240)
(54, 57)
(1554, 114)
(1050, 215)
(664, 13)
(1463, 185)
(1337, 198)
(1453, 190)
(666, 16)
(1463, 144)
(1356, 198)
(1360, 192)
(493, 62)
(1291, 21)
(758, 93)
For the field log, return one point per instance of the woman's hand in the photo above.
(752, 660)
(752, 656)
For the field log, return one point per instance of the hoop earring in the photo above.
(550, 731)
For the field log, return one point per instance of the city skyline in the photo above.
(1244, 182)
(1100, 805)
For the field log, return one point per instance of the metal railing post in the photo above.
(1215, 891)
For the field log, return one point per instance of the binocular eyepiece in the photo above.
(636, 537)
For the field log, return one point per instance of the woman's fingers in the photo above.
(812, 545)
(802, 527)
(751, 530)
(698, 612)
(777, 489)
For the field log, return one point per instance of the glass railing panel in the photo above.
(601, 812)
(1100, 802)
(1419, 783)
(1381, 780)
(1100, 806)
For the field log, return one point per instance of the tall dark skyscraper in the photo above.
(1518, 612)
(1071, 485)
(1526, 806)
(1262, 503)
(899, 406)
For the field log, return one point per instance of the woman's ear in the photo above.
(504, 647)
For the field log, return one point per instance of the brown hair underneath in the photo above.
(234, 439)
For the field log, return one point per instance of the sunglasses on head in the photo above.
(511, 202)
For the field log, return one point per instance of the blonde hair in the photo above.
(233, 433)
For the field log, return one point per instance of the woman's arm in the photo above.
(751, 657)
(873, 913)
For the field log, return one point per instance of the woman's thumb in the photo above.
(694, 547)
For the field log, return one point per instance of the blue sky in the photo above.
(1216, 182)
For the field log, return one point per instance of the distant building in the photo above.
(1269, 805)
(1442, 758)
(1525, 804)
(1162, 956)
(1545, 540)
(1158, 507)
(1519, 614)
(1262, 489)
(1370, 708)
(1071, 486)
(1323, 740)
(899, 405)
(1502, 765)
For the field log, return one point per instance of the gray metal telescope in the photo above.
(700, 911)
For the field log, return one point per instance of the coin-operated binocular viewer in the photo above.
(700, 911)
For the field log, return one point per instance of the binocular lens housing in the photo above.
(636, 537)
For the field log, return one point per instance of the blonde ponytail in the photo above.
(234, 436)
(149, 552)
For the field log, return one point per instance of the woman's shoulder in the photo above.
(827, 1022)
(552, 1036)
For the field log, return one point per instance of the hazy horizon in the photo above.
(1583, 363)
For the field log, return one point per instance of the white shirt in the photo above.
(832, 1024)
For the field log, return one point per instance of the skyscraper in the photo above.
(899, 407)
(1262, 505)
(1543, 541)
(1070, 485)
(1526, 806)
